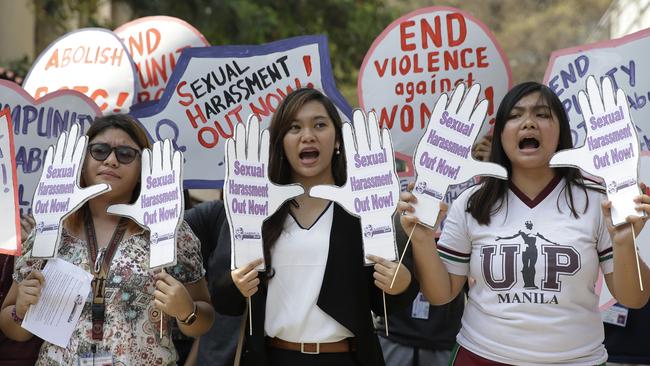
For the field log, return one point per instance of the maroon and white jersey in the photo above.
(536, 268)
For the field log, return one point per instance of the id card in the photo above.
(616, 315)
(96, 359)
(420, 308)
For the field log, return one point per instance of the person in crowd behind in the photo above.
(313, 304)
(550, 220)
(126, 293)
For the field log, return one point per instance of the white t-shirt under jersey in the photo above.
(299, 259)
(536, 268)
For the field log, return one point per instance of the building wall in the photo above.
(16, 30)
(629, 16)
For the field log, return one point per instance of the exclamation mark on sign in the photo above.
(4, 178)
(307, 61)
(489, 95)
(120, 102)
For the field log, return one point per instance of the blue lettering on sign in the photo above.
(576, 70)
(48, 121)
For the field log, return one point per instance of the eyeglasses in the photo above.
(124, 154)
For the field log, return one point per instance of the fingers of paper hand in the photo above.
(246, 278)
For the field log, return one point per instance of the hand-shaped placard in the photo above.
(611, 149)
(159, 208)
(372, 188)
(443, 156)
(58, 193)
(250, 197)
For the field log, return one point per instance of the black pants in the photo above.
(281, 357)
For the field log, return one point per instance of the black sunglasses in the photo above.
(101, 151)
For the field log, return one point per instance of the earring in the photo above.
(338, 151)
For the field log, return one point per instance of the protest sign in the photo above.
(611, 150)
(605, 296)
(58, 193)
(159, 208)
(620, 59)
(92, 61)
(155, 44)
(10, 225)
(214, 88)
(36, 125)
(371, 191)
(422, 55)
(444, 154)
(249, 196)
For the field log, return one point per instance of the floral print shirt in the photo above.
(132, 322)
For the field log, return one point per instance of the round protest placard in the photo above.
(92, 61)
(155, 44)
(622, 60)
(418, 57)
(36, 125)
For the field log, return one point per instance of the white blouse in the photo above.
(299, 259)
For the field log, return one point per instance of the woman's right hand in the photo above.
(246, 278)
(421, 233)
(29, 292)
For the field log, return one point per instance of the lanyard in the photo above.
(102, 262)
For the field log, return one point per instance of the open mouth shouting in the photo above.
(309, 155)
(528, 144)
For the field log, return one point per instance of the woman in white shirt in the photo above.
(313, 304)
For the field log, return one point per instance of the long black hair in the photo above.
(279, 167)
(490, 197)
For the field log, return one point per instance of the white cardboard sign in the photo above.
(422, 55)
(444, 154)
(58, 193)
(159, 208)
(36, 125)
(10, 224)
(611, 148)
(92, 61)
(155, 44)
(623, 60)
(249, 196)
(371, 191)
(214, 88)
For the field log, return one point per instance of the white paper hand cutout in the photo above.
(159, 208)
(444, 154)
(249, 196)
(611, 149)
(58, 193)
(371, 191)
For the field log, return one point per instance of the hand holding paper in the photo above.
(58, 193)
(443, 156)
(372, 188)
(160, 205)
(249, 196)
(611, 149)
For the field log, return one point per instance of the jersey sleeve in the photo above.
(454, 245)
(604, 246)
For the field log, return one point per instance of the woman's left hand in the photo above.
(384, 272)
(172, 297)
(623, 233)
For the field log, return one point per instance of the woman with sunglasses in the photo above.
(120, 320)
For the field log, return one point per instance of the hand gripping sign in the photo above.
(443, 156)
(58, 193)
(159, 208)
(10, 225)
(611, 149)
(249, 196)
(371, 191)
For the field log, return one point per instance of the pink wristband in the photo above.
(15, 316)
